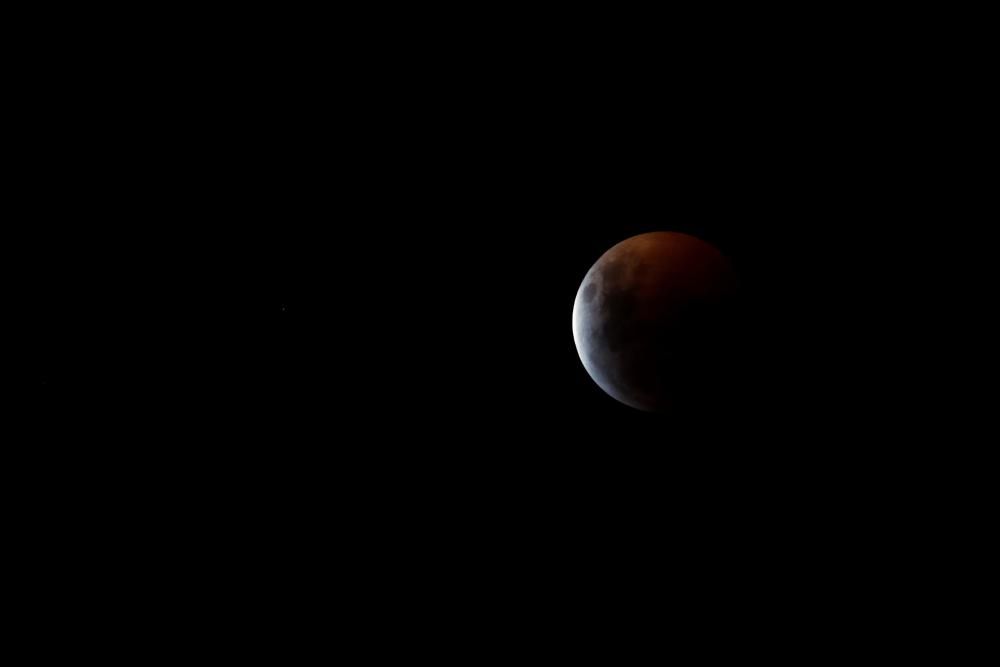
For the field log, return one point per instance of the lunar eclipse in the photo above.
(652, 321)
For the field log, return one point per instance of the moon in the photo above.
(653, 322)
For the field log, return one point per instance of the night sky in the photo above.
(319, 291)
(314, 224)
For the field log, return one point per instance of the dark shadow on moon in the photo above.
(654, 336)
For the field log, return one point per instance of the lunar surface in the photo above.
(653, 321)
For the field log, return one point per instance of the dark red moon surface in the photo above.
(652, 320)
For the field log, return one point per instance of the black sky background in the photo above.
(290, 281)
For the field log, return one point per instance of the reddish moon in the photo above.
(653, 319)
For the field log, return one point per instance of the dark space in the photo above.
(307, 301)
